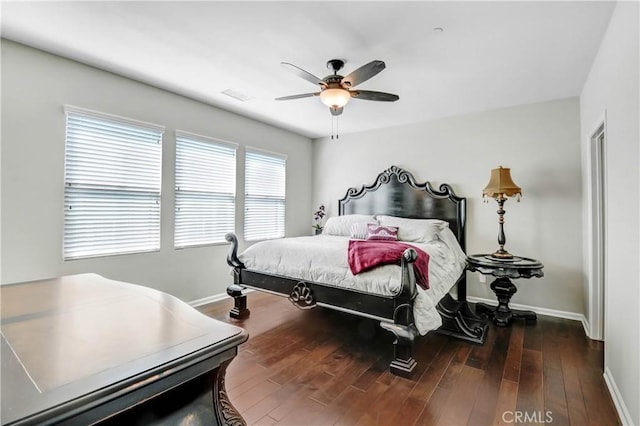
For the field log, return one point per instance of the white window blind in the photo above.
(205, 190)
(112, 185)
(264, 195)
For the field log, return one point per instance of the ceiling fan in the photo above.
(336, 90)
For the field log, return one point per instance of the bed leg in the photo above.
(239, 310)
(403, 362)
(459, 321)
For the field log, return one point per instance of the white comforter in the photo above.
(323, 259)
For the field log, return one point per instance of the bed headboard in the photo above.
(396, 193)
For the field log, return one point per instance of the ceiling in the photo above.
(488, 55)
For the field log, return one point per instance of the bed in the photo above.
(313, 270)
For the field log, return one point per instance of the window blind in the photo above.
(112, 185)
(265, 174)
(205, 190)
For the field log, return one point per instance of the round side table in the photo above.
(504, 270)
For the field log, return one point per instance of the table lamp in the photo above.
(500, 187)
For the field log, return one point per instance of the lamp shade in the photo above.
(336, 98)
(501, 185)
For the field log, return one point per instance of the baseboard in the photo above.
(215, 298)
(211, 299)
(541, 311)
(623, 412)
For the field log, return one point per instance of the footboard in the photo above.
(395, 313)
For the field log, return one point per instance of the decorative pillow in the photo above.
(341, 225)
(415, 230)
(380, 232)
(360, 230)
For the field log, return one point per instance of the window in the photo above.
(112, 185)
(205, 190)
(264, 195)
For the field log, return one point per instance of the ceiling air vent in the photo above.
(236, 95)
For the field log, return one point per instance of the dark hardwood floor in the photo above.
(322, 367)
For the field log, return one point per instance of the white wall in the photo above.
(541, 144)
(35, 86)
(612, 88)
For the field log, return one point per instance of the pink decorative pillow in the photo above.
(379, 232)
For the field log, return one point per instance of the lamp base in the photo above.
(502, 254)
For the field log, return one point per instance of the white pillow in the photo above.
(415, 230)
(360, 230)
(341, 225)
(449, 239)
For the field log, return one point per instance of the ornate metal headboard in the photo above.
(396, 193)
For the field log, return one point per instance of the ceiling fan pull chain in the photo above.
(334, 128)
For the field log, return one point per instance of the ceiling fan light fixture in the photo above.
(334, 97)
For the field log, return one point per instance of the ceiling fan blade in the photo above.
(363, 73)
(303, 95)
(369, 95)
(302, 73)
(336, 111)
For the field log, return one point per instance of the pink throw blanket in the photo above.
(367, 254)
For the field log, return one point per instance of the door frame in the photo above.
(596, 228)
